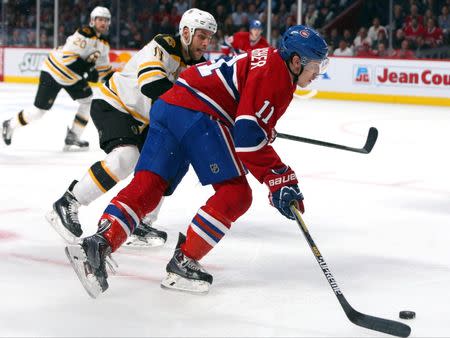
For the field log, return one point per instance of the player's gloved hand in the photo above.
(92, 75)
(284, 191)
(273, 135)
(93, 57)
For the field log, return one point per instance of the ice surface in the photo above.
(382, 222)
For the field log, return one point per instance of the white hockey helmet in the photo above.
(99, 12)
(196, 19)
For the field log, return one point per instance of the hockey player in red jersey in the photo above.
(219, 117)
(241, 42)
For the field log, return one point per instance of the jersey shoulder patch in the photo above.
(169, 43)
(86, 31)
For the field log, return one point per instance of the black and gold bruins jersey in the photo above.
(62, 65)
(160, 58)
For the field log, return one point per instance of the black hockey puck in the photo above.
(407, 314)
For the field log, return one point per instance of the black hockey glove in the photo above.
(92, 75)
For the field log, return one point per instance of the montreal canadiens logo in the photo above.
(304, 33)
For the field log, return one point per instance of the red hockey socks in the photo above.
(231, 200)
(130, 205)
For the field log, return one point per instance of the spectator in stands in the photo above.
(444, 21)
(414, 14)
(252, 13)
(374, 29)
(433, 35)
(414, 30)
(325, 15)
(365, 50)
(381, 38)
(44, 40)
(360, 39)
(17, 38)
(381, 50)
(311, 16)
(181, 6)
(428, 14)
(275, 37)
(334, 39)
(404, 52)
(347, 36)
(397, 39)
(240, 16)
(399, 17)
(343, 49)
(420, 45)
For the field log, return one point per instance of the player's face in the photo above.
(101, 24)
(310, 72)
(255, 34)
(199, 44)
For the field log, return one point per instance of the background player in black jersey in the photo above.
(84, 57)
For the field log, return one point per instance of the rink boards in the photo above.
(362, 79)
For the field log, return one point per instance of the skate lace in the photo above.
(191, 264)
(73, 211)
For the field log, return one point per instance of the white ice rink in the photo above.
(382, 222)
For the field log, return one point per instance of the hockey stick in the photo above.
(369, 322)
(370, 142)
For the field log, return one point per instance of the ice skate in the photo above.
(146, 236)
(89, 259)
(7, 132)
(64, 216)
(186, 274)
(73, 142)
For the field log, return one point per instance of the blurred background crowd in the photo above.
(418, 29)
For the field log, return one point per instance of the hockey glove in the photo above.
(92, 58)
(92, 75)
(284, 191)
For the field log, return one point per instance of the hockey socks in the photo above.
(207, 228)
(132, 203)
(231, 200)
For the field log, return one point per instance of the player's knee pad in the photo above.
(121, 161)
(232, 198)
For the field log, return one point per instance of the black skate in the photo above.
(7, 132)
(186, 274)
(64, 216)
(89, 259)
(146, 236)
(73, 142)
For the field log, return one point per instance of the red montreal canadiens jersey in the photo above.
(241, 42)
(249, 93)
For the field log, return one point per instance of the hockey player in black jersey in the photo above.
(84, 57)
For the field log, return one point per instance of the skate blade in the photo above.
(54, 220)
(178, 283)
(77, 258)
(74, 149)
(142, 243)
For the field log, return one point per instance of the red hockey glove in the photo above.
(284, 191)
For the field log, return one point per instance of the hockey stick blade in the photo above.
(368, 146)
(369, 322)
